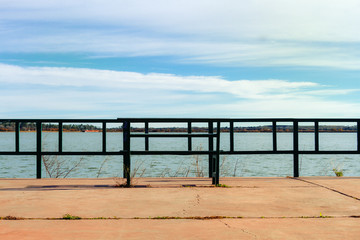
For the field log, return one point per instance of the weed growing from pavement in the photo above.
(164, 217)
(70, 217)
(193, 217)
(338, 172)
(11, 218)
(136, 172)
(322, 216)
(337, 169)
(222, 185)
(119, 183)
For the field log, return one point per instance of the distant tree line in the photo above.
(30, 126)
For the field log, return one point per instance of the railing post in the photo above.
(211, 148)
(189, 138)
(358, 135)
(60, 137)
(274, 136)
(147, 137)
(316, 133)
(126, 144)
(216, 157)
(38, 149)
(104, 137)
(218, 152)
(296, 148)
(214, 161)
(231, 136)
(17, 137)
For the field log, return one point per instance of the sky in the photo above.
(179, 58)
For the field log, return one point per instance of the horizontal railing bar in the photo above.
(288, 152)
(256, 152)
(17, 153)
(113, 153)
(172, 135)
(138, 120)
(84, 153)
(172, 152)
(185, 152)
(236, 152)
(330, 152)
(62, 120)
(64, 153)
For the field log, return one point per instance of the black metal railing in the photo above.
(212, 134)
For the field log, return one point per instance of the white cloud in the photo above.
(72, 92)
(322, 33)
(106, 79)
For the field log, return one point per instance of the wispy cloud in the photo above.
(321, 33)
(321, 20)
(83, 92)
(110, 80)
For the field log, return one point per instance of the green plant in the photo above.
(322, 216)
(337, 168)
(338, 172)
(70, 217)
(222, 185)
(164, 217)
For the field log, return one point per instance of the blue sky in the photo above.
(138, 58)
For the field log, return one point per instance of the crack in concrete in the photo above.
(225, 223)
(191, 204)
(331, 189)
(197, 199)
(172, 218)
(250, 233)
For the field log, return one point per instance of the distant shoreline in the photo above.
(49, 127)
(184, 130)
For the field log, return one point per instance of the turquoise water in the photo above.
(179, 166)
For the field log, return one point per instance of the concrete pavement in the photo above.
(186, 208)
